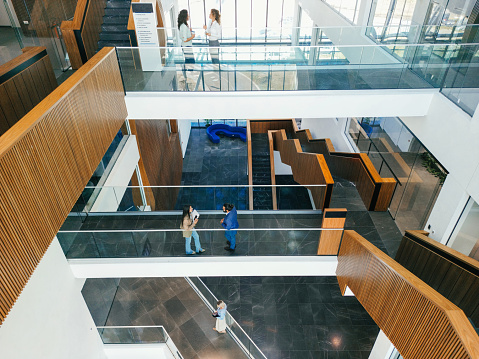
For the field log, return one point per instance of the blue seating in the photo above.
(367, 128)
(214, 130)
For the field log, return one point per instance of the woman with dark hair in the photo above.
(188, 226)
(213, 30)
(230, 223)
(186, 36)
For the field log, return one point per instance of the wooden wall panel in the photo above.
(91, 29)
(46, 159)
(81, 35)
(272, 170)
(18, 92)
(375, 191)
(451, 273)
(307, 168)
(329, 241)
(263, 126)
(419, 321)
(250, 164)
(162, 160)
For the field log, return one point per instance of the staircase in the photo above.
(262, 196)
(115, 21)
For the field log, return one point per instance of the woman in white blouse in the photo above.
(213, 30)
(186, 36)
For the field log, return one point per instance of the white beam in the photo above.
(204, 266)
(280, 104)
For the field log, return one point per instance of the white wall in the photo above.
(184, 129)
(452, 137)
(115, 185)
(382, 348)
(279, 104)
(331, 128)
(50, 318)
(281, 168)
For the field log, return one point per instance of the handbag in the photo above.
(215, 314)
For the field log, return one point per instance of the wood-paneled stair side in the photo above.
(308, 168)
(375, 191)
(418, 321)
(451, 273)
(24, 82)
(330, 239)
(81, 34)
(46, 160)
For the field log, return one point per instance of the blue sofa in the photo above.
(214, 130)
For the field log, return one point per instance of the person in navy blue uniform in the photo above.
(230, 222)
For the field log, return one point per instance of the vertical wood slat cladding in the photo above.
(329, 241)
(451, 273)
(375, 191)
(90, 32)
(162, 159)
(307, 168)
(272, 171)
(19, 92)
(263, 126)
(250, 164)
(85, 27)
(419, 321)
(46, 159)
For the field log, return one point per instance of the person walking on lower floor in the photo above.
(230, 222)
(188, 226)
(220, 315)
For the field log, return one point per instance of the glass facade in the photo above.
(245, 21)
(348, 8)
(396, 153)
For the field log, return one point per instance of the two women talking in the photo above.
(212, 30)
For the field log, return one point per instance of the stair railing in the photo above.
(81, 35)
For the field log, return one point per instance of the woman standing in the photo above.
(213, 30)
(188, 226)
(186, 36)
(220, 317)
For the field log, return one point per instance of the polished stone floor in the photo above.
(297, 317)
(169, 302)
(286, 317)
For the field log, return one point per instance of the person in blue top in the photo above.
(220, 314)
(230, 222)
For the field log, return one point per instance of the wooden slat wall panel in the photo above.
(375, 191)
(272, 170)
(420, 322)
(451, 273)
(86, 23)
(46, 160)
(307, 168)
(250, 164)
(19, 93)
(329, 241)
(263, 126)
(90, 32)
(162, 159)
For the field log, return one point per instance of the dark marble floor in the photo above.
(297, 317)
(169, 302)
(286, 317)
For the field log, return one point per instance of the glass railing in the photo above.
(160, 198)
(232, 326)
(146, 334)
(344, 35)
(290, 238)
(276, 68)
